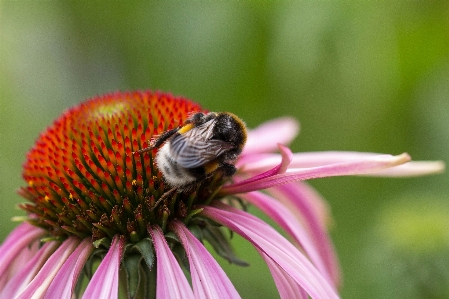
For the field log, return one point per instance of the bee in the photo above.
(202, 146)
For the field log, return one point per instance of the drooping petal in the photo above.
(104, 283)
(287, 157)
(39, 285)
(358, 167)
(21, 237)
(65, 281)
(208, 278)
(28, 271)
(265, 137)
(171, 281)
(23, 258)
(307, 204)
(275, 246)
(287, 286)
(281, 167)
(291, 224)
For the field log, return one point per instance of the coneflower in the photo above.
(94, 210)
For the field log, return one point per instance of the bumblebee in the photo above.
(202, 146)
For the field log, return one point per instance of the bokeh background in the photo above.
(371, 76)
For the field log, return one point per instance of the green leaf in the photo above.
(94, 258)
(191, 214)
(221, 245)
(145, 247)
(196, 231)
(132, 269)
(180, 253)
(171, 238)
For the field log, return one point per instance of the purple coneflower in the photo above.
(93, 209)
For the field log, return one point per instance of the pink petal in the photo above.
(286, 219)
(17, 241)
(411, 169)
(39, 285)
(262, 162)
(286, 158)
(257, 162)
(275, 246)
(287, 286)
(21, 259)
(304, 201)
(314, 159)
(265, 137)
(358, 167)
(65, 281)
(28, 271)
(104, 283)
(171, 281)
(208, 279)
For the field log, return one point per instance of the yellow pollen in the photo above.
(70, 196)
(109, 110)
(185, 128)
(211, 166)
(46, 198)
(30, 183)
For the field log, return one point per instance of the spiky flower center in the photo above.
(84, 180)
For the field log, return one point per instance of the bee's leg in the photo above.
(164, 196)
(163, 137)
(228, 169)
(158, 142)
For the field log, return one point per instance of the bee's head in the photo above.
(229, 128)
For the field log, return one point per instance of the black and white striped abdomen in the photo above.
(174, 175)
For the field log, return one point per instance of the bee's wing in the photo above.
(195, 148)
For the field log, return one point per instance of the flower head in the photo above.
(92, 198)
(82, 177)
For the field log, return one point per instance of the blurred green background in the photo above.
(371, 76)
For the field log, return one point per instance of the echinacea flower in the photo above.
(93, 209)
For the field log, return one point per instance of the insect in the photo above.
(203, 145)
